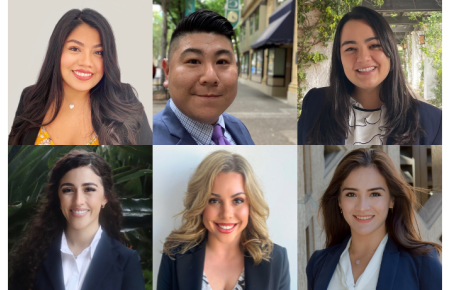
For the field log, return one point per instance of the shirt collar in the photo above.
(65, 247)
(200, 132)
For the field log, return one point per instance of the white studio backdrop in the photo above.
(31, 23)
(275, 168)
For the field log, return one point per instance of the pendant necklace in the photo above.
(359, 261)
(71, 106)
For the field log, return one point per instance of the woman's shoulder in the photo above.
(315, 95)
(429, 111)
(278, 251)
(122, 250)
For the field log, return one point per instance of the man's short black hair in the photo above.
(202, 21)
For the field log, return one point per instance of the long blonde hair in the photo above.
(254, 238)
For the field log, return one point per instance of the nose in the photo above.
(227, 211)
(364, 55)
(209, 75)
(79, 198)
(85, 59)
(363, 204)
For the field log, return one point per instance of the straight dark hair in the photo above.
(115, 111)
(401, 223)
(402, 113)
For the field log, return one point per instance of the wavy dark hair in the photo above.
(401, 223)
(402, 108)
(48, 223)
(115, 111)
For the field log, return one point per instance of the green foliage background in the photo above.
(28, 169)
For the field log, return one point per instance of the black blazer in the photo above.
(186, 271)
(399, 269)
(430, 120)
(113, 267)
(145, 136)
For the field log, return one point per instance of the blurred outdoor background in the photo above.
(29, 167)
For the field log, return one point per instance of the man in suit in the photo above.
(201, 75)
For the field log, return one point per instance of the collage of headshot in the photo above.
(341, 102)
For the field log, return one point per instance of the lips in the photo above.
(82, 75)
(366, 70)
(209, 96)
(226, 228)
(364, 218)
(79, 212)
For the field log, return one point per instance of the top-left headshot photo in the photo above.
(79, 75)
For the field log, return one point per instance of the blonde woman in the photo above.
(223, 241)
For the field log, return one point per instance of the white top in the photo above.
(365, 125)
(75, 269)
(240, 284)
(343, 276)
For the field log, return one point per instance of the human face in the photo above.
(82, 196)
(82, 59)
(202, 76)
(226, 215)
(365, 201)
(362, 56)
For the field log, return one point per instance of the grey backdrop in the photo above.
(275, 168)
(30, 24)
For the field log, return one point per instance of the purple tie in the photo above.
(218, 137)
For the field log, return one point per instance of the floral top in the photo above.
(44, 139)
(240, 284)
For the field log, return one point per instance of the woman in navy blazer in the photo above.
(368, 201)
(79, 217)
(223, 242)
(368, 92)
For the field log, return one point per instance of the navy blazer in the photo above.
(113, 267)
(169, 130)
(430, 120)
(144, 137)
(399, 269)
(186, 271)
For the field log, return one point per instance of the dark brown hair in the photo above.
(401, 223)
(48, 224)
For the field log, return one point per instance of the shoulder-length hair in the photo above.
(115, 111)
(48, 223)
(401, 223)
(254, 238)
(402, 113)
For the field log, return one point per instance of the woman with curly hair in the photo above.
(372, 237)
(223, 241)
(74, 242)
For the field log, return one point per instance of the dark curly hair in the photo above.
(48, 223)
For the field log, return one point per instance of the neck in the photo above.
(73, 96)
(364, 244)
(223, 251)
(80, 239)
(368, 98)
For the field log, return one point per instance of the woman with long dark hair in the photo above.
(74, 242)
(368, 100)
(372, 238)
(78, 97)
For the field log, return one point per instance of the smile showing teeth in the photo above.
(364, 217)
(225, 227)
(366, 69)
(82, 74)
(79, 211)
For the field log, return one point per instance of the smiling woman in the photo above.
(78, 97)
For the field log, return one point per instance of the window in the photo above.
(257, 19)
(257, 62)
(251, 24)
(244, 65)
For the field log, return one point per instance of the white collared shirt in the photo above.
(343, 276)
(75, 269)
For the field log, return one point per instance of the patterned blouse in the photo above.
(240, 284)
(44, 139)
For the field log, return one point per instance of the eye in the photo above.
(350, 49)
(223, 61)
(193, 61)
(74, 48)
(350, 194)
(213, 201)
(238, 200)
(89, 189)
(66, 190)
(100, 52)
(375, 194)
(375, 46)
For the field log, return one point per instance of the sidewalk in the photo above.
(269, 121)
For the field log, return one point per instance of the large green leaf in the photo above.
(130, 176)
(143, 151)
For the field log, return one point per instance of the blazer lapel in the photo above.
(235, 131)
(102, 261)
(175, 127)
(389, 265)
(190, 268)
(53, 265)
(323, 277)
(256, 276)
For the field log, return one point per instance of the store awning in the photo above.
(281, 27)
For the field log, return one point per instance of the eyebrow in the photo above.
(82, 44)
(201, 52)
(354, 42)
(236, 194)
(84, 184)
(372, 189)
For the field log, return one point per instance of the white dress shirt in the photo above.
(343, 276)
(75, 268)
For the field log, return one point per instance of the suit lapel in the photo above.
(389, 265)
(175, 127)
(190, 268)
(323, 278)
(53, 265)
(256, 276)
(235, 131)
(102, 261)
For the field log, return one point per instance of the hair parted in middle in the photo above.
(401, 223)
(255, 239)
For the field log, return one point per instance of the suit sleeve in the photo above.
(286, 278)
(145, 134)
(310, 272)
(438, 139)
(431, 271)
(165, 274)
(133, 277)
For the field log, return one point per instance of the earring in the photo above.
(341, 210)
(392, 209)
(103, 206)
